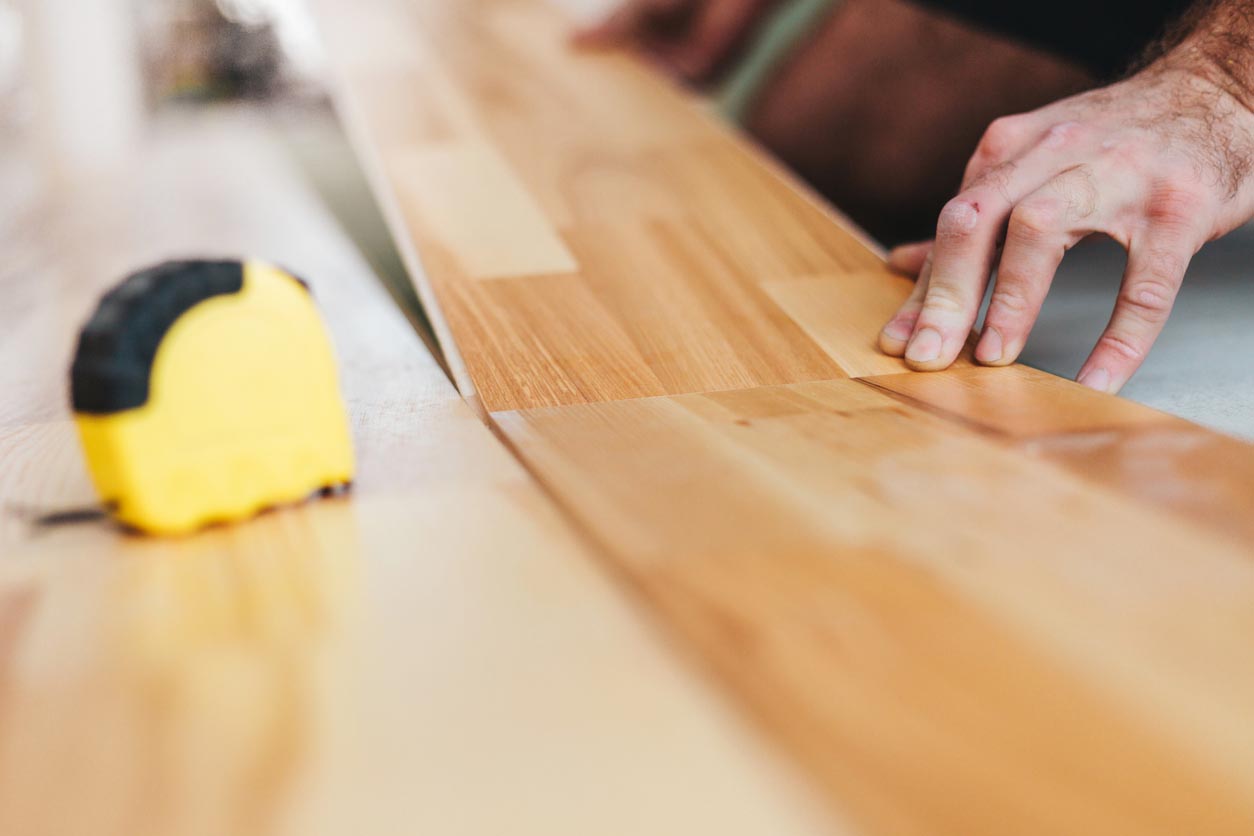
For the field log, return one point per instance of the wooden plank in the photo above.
(1017, 401)
(834, 311)
(471, 205)
(951, 635)
(674, 223)
(1174, 466)
(436, 653)
(1137, 451)
(639, 321)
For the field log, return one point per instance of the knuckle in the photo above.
(1033, 220)
(1147, 302)
(1174, 203)
(1000, 138)
(1125, 347)
(1063, 134)
(1150, 298)
(958, 219)
(944, 299)
(1127, 153)
(1010, 301)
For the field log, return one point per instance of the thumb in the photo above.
(908, 259)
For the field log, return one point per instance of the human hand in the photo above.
(1159, 162)
(692, 38)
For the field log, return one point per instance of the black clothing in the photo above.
(1105, 36)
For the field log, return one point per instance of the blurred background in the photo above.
(88, 88)
(81, 79)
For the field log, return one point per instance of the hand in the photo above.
(1159, 162)
(692, 38)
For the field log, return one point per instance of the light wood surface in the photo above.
(1137, 451)
(952, 634)
(435, 653)
(975, 602)
(672, 229)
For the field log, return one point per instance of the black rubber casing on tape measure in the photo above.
(113, 363)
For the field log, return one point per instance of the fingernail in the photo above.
(925, 347)
(989, 349)
(897, 330)
(1098, 379)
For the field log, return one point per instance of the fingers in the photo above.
(1006, 139)
(1153, 277)
(896, 333)
(1042, 227)
(962, 259)
(908, 259)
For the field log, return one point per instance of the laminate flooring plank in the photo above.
(1017, 401)
(470, 201)
(835, 311)
(1136, 451)
(592, 168)
(952, 635)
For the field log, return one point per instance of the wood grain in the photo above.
(676, 226)
(835, 311)
(1173, 466)
(976, 602)
(1168, 463)
(471, 202)
(435, 653)
(1016, 401)
(952, 635)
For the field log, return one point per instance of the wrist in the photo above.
(1206, 110)
(1219, 58)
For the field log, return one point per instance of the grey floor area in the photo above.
(1202, 367)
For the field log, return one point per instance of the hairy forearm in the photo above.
(1215, 40)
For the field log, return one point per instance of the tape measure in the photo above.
(206, 391)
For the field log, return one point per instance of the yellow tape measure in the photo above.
(206, 391)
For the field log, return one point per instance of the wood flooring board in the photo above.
(700, 319)
(835, 312)
(583, 151)
(738, 515)
(1017, 401)
(1133, 450)
(518, 64)
(546, 340)
(1170, 465)
(773, 230)
(469, 203)
(437, 652)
